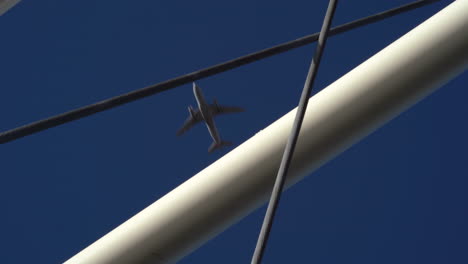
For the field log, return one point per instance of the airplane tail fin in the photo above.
(215, 145)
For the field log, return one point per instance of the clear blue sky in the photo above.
(398, 196)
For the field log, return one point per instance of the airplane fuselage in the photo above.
(206, 114)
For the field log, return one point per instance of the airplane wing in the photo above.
(190, 122)
(219, 109)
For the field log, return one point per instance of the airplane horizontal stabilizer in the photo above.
(215, 145)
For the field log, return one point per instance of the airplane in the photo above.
(206, 112)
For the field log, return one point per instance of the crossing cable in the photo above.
(292, 140)
(103, 105)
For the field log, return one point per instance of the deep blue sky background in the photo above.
(399, 196)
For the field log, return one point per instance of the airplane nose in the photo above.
(195, 90)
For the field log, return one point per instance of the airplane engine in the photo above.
(192, 113)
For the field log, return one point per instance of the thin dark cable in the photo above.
(91, 109)
(291, 144)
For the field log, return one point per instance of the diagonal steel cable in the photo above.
(292, 140)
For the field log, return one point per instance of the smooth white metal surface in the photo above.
(5, 5)
(349, 109)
